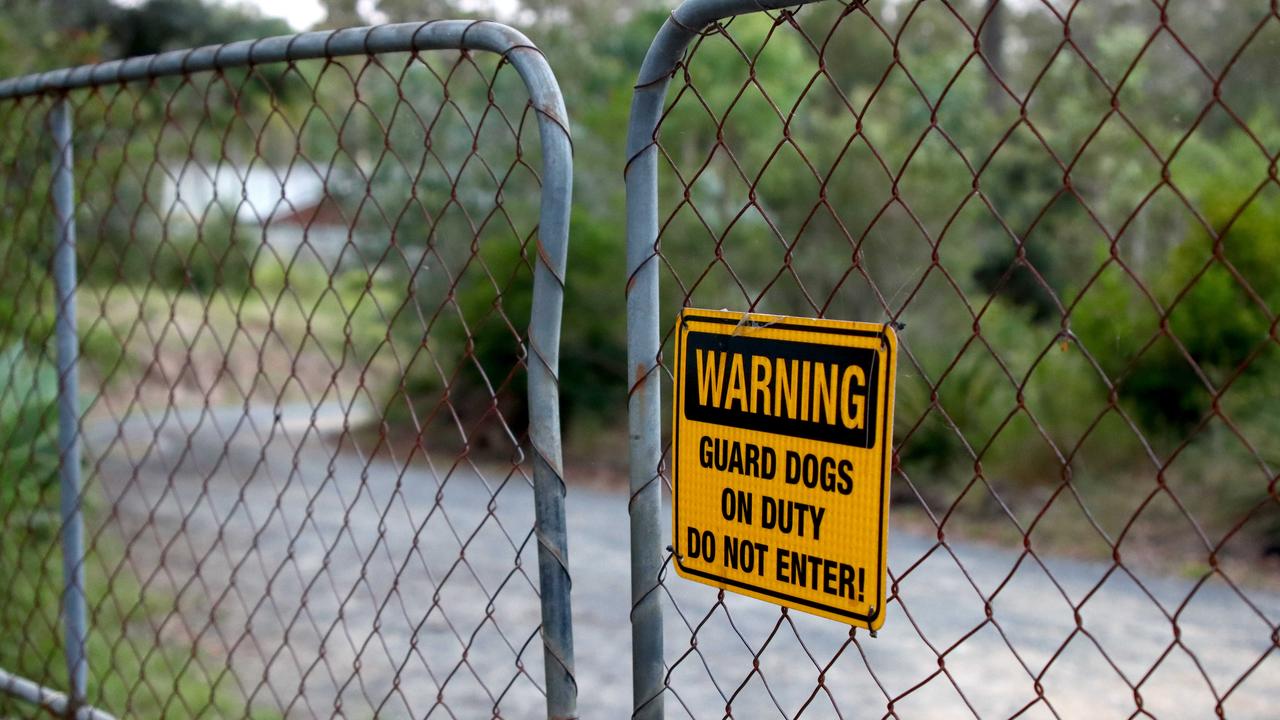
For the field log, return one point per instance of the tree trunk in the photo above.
(991, 42)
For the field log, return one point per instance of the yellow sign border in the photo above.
(873, 620)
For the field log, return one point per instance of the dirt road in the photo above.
(329, 583)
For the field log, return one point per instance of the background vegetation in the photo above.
(1083, 252)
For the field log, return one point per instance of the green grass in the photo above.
(131, 673)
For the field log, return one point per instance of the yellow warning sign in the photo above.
(781, 456)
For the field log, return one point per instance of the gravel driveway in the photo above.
(330, 584)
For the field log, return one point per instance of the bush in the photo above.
(1215, 322)
(475, 346)
(216, 256)
(1061, 395)
(28, 517)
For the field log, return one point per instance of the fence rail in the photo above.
(296, 186)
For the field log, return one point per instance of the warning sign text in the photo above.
(781, 447)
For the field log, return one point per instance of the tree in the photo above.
(991, 37)
(159, 25)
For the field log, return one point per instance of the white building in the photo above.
(286, 206)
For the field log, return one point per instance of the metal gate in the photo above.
(269, 259)
(1071, 224)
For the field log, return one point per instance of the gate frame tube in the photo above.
(74, 628)
(644, 396)
(544, 324)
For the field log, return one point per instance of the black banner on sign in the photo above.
(814, 391)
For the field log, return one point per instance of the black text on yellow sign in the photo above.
(781, 452)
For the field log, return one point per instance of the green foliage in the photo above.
(216, 255)
(25, 322)
(1025, 282)
(126, 671)
(155, 26)
(1217, 288)
(34, 38)
(28, 518)
(477, 345)
(592, 350)
(1009, 403)
(28, 438)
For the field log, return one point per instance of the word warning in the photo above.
(781, 454)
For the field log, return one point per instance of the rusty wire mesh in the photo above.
(1072, 208)
(303, 300)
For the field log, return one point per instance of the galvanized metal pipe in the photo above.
(400, 37)
(75, 633)
(644, 335)
(548, 291)
(42, 697)
(543, 367)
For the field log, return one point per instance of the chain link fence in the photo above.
(309, 288)
(279, 413)
(1071, 209)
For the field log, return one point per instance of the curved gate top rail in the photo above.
(542, 356)
(400, 37)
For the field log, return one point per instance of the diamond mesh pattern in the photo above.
(1069, 206)
(303, 299)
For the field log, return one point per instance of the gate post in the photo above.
(543, 368)
(644, 398)
(68, 360)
